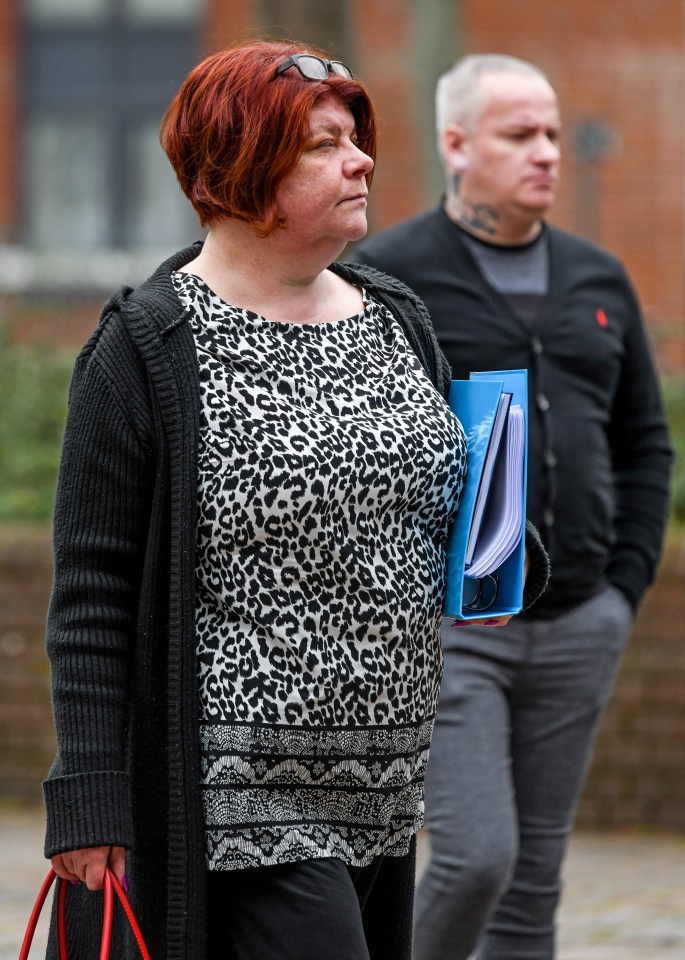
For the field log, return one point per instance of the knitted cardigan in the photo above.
(121, 622)
(120, 631)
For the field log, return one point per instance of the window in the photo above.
(161, 10)
(97, 77)
(149, 210)
(56, 10)
(66, 179)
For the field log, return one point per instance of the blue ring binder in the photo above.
(475, 402)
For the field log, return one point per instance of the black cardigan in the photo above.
(121, 623)
(600, 457)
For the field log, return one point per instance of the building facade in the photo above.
(87, 200)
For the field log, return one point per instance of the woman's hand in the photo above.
(495, 621)
(88, 865)
(483, 621)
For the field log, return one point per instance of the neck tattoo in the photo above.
(479, 217)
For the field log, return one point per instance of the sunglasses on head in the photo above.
(314, 68)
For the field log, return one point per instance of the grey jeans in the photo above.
(519, 709)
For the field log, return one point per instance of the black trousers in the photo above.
(312, 910)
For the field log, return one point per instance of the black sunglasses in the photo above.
(314, 68)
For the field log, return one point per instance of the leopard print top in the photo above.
(329, 471)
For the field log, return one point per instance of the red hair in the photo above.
(233, 130)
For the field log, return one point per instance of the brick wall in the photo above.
(60, 320)
(620, 66)
(637, 773)
(26, 734)
(636, 777)
(619, 71)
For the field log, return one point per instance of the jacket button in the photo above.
(550, 458)
(542, 401)
(548, 517)
(536, 344)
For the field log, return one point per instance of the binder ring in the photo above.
(479, 593)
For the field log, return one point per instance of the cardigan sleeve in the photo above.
(100, 524)
(641, 459)
(538, 567)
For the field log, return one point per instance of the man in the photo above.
(520, 704)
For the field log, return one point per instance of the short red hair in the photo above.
(233, 130)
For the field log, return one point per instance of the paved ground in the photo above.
(624, 897)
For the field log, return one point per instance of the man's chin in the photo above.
(538, 206)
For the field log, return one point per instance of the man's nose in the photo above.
(546, 150)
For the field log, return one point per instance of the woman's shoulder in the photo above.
(375, 280)
(409, 310)
(135, 316)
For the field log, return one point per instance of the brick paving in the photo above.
(624, 896)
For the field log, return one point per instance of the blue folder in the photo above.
(475, 403)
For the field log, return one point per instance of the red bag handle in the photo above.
(112, 886)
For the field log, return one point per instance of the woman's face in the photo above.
(323, 198)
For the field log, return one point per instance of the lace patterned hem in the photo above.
(279, 795)
(291, 843)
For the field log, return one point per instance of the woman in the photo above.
(257, 478)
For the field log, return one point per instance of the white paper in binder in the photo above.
(500, 530)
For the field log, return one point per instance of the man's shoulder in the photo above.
(579, 264)
(582, 249)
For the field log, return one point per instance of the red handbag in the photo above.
(112, 886)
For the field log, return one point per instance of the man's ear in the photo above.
(454, 148)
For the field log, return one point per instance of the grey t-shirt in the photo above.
(519, 273)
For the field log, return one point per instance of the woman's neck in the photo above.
(264, 275)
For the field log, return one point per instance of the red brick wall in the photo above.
(226, 23)
(637, 773)
(636, 777)
(42, 318)
(384, 62)
(26, 732)
(622, 63)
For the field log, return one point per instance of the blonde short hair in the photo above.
(457, 96)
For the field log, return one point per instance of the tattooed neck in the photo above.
(475, 217)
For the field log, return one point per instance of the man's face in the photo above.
(509, 157)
